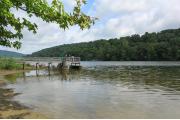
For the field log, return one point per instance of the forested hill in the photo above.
(161, 46)
(4, 53)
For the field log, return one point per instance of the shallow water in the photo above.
(103, 90)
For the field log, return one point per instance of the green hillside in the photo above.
(4, 53)
(161, 46)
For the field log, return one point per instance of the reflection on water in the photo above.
(103, 92)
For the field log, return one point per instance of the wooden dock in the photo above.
(62, 62)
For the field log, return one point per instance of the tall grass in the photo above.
(9, 64)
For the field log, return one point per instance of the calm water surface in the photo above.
(103, 90)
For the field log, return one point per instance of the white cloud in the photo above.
(116, 18)
(124, 17)
(105, 7)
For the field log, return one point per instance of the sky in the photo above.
(117, 18)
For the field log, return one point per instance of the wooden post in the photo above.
(37, 66)
(37, 72)
(49, 68)
(23, 65)
(49, 65)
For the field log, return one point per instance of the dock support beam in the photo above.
(49, 68)
(23, 65)
(37, 66)
(49, 65)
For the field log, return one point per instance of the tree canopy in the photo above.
(162, 46)
(11, 26)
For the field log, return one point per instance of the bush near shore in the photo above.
(9, 64)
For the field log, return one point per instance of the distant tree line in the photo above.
(162, 46)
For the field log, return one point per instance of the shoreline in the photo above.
(7, 72)
(10, 109)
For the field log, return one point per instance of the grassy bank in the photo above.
(9, 64)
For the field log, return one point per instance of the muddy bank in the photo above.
(12, 109)
(7, 72)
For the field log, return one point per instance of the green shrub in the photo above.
(9, 64)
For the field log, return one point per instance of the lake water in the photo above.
(103, 90)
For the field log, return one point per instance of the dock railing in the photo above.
(52, 59)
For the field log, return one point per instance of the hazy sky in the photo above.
(116, 18)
